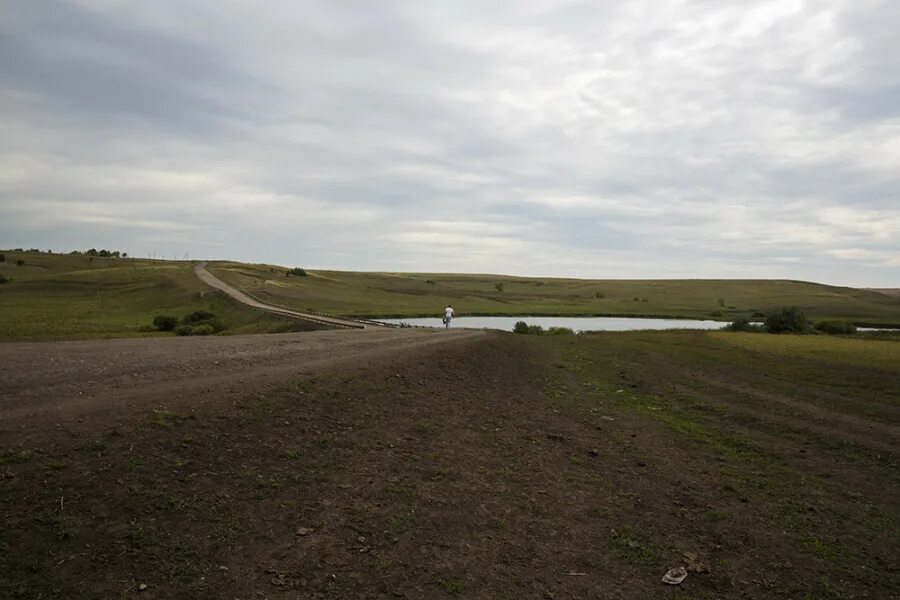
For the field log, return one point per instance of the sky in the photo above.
(639, 139)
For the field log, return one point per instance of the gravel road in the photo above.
(213, 281)
(50, 380)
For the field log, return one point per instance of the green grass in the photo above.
(863, 352)
(411, 294)
(72, 297)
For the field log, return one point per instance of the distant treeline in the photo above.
(92, 252)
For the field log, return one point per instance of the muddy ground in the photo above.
(411, 464)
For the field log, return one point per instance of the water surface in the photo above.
(575, 323)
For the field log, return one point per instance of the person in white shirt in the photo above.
(448, 316)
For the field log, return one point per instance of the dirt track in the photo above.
(211, 280)
(61, 379)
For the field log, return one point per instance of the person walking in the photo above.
(448, 316)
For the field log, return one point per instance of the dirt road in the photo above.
(211, 280)
(43, 379)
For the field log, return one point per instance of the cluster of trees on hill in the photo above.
(101, 253)
(92, 252)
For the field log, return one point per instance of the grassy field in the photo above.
(73, 297)
(422, 294)
(511, 467)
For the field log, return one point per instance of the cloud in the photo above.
(690, 139)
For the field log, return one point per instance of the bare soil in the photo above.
(435, 464)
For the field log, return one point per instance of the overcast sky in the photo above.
(633, 139)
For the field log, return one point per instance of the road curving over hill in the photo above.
(213, 281)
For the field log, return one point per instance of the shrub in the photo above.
(561, 331)
(183, 330)
(204, 329)
(835, 327)
(296, 271)
(520, 327)
(716, 313)
(535, 330)
(165, 322)
(498, 287)
(2, 258)
(743, 324)
(216, 324)
(3, 279)
(20, 262)
(197, 317)
(758, 315)
(788, 320)
(600, 295)
(721, 302)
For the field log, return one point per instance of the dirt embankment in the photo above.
(49, 380)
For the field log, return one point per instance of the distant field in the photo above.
(424, 294)
(72, 297)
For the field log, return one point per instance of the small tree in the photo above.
(520, 327)
(498, 287)
(20, 262)
(2, 258)
(788, 320)
(296, 271)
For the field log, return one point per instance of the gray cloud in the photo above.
(646, 139)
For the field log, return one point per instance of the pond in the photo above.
(575, 323)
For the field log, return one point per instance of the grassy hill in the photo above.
(53, 296)
(424, 294)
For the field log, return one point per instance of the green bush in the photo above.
(183, 330)
(203, 317)
(787, 320)
(2, 258)
(296, 271)
(3, 279)
(599, 295)
(204, 329)
(165, 322)
(197, 317)
(498, 287)
(20, 262)
(525, 328)
(561, 331)
(835, 327)
(717, 313)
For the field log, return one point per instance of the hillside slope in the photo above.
(53, 296)
(423, 294)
